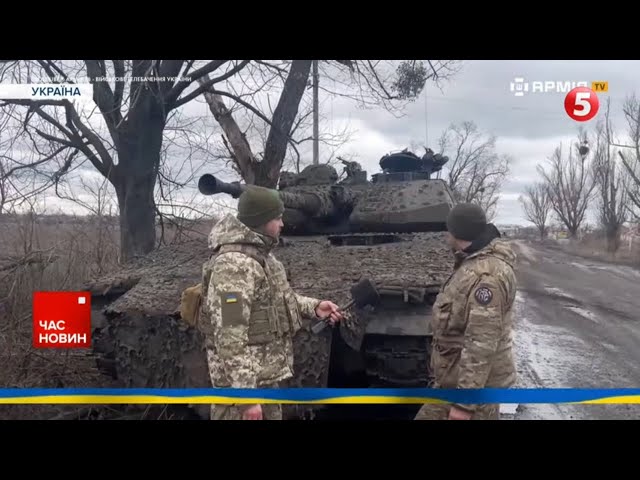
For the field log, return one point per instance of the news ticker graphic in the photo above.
(315, 396)
(46, 91)
(582, 104)
(61, 319)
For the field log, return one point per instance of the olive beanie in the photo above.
(466, 221)
(259, 205)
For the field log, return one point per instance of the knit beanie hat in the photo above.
(466, 221)
(259, 205)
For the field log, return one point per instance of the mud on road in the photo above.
(577, 326)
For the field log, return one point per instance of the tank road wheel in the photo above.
(384, 361)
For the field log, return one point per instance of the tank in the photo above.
(338, 230)
(401, 199)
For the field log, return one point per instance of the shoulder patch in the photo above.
(230, 298)
(483, 295)
(231, 309)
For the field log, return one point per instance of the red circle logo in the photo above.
(581, 104)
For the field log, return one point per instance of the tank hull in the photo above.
(389, 230)
(141, 341)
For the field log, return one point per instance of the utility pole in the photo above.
(316, 128)
(426, 122)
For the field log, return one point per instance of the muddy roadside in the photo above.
(626, 255)
(576, 327)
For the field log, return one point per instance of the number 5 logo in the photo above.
(581, 104)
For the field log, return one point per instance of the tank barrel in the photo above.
(309, 203)
(210, 185)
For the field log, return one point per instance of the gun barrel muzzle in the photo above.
(210, 185)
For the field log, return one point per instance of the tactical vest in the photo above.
(267, 322)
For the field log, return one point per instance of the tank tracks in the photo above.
(397, 361)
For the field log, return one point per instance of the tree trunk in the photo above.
(613, 239)
(243, 156)
(541, 230)
(573, 233)
(137, 216)
(139, 159)
(268, 170)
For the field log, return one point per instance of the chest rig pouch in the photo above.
(271, 317)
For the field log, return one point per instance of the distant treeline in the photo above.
(66, 219)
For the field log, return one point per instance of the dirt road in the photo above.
(578, 326)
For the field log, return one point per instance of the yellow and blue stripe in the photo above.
(313, 396)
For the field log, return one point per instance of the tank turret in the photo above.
(403, 198)
(412, 166)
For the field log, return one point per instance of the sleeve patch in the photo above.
(231, 309)
(483, 295)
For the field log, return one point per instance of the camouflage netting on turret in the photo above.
(142, 341)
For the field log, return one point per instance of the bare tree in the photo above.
(536, 203)
(19, 180)
(571, 184)
(475, 172)
(389, 85)
(609, 179)
(4, 146)
(135, 99)
(138, 99)
(631, 160)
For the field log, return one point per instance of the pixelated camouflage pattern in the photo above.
(472, 324)
(250, 313)
(270, 411)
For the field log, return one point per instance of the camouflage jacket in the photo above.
(249, 312)
(472, 322)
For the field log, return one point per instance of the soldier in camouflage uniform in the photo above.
(473, 316)
(250, 312)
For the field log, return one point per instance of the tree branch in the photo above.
(181, 85)
(105, 99)
(204, 86)
(241, 150)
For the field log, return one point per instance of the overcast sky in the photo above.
(528, 128)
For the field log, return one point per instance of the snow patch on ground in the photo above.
(558, 292)
(545, 356)
(618, 270)
(583, 312)
(579, 265)
(562, 294)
